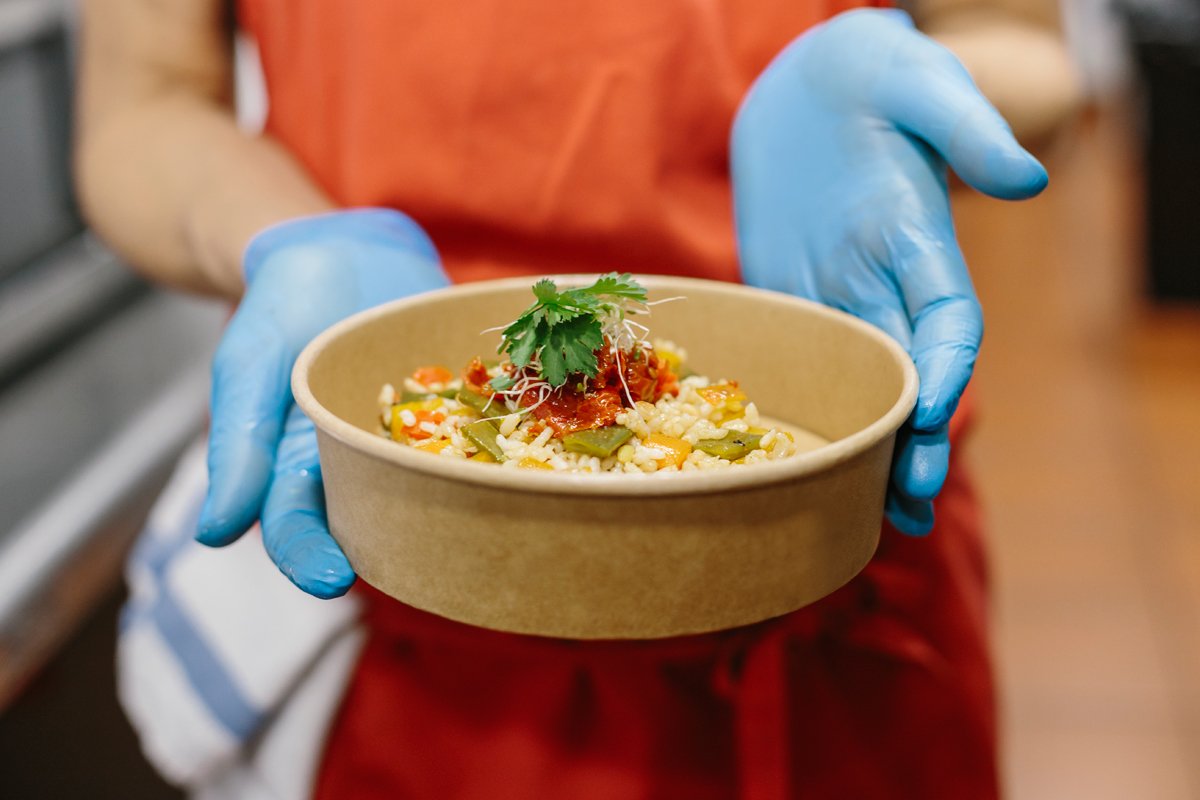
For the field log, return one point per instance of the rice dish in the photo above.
(583, 391)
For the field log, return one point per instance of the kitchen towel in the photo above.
(228, 672)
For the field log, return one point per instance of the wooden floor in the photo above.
(1088, 455)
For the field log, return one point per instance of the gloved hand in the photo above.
(839, 156)
(301, 277)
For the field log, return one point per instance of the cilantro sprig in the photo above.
(561, 331)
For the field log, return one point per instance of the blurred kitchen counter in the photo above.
(103, 381)
(90, 428)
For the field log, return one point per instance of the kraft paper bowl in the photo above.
(613, 556)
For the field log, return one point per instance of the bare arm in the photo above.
(163, 173)
(1014, 51)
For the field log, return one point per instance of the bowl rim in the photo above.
(656, 484)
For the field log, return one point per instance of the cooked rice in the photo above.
(689, 417)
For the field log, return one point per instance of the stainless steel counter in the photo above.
(103, 380)
(87, 436)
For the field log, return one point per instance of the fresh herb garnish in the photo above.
(501, 382)
(560, 332)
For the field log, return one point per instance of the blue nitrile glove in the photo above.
(301, 277)
(839, 157)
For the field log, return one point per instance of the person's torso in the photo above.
(529, 136)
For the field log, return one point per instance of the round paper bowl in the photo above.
(613, 556)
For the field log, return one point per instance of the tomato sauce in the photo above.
(475, 377)
(569, 409)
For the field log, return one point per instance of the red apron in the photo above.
(539, 137)
(881, 690)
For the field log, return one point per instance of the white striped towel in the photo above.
(228, 672)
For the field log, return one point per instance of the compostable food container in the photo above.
(613, 556)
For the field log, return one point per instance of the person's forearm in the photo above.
(177, 190)
(164, 175)
(1019, 62)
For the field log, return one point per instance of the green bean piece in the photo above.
(484, 405)
(483, 434)
(732, 446)
(602, 442)
(411, 397)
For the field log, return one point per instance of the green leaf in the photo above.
(501, 382)
(554, 368)
(520, 340)
(556, 314)
(570, 348)
(618, 285)
(546, 291)
(522, 349)
(564, 328)
(518, 327)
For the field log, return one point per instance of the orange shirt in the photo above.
(529, 137)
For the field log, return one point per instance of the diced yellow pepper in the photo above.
(483, 456)
(677, 450)
(433, 445)
(669, 357)
(533, 463)
(727, 397)
(722, 394)
(397, 426)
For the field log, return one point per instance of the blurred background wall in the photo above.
(1087, 447)
(1088, 444)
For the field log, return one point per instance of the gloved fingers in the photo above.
(910, 517)
(919, 468)
(928, 93)
(921, 462)
(859, 280)
(385, 228)
(946, 318)
(250, 394)
(889, 316)
(946, 343)
(294, 528)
